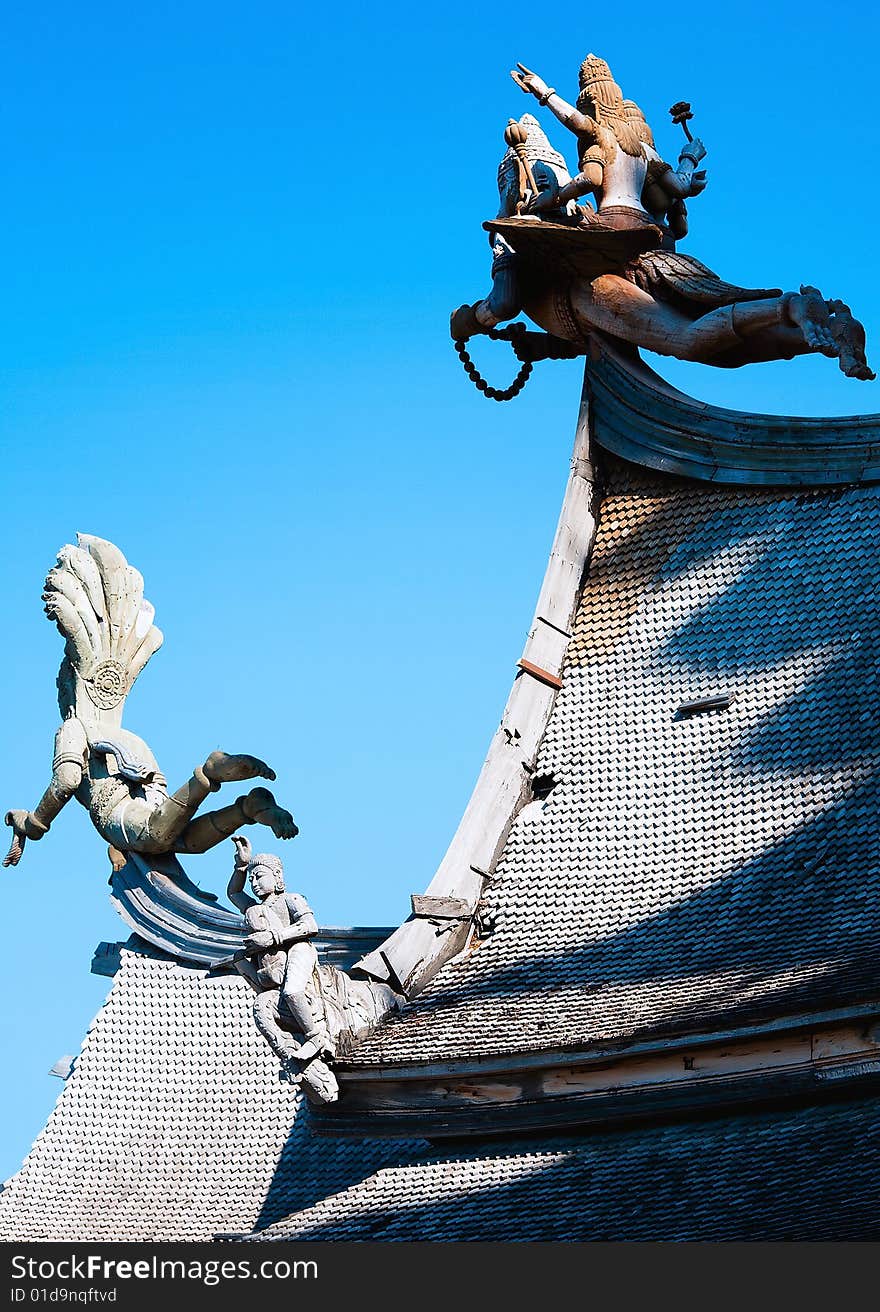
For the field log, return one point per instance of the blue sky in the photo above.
(233, 236)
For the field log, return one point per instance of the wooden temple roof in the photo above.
(689, 871)
(699, 868)
(806, 1173)
(674, 854)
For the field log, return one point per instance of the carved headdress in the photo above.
(254, 863)
(602, 99)
(537, 150)
(271, 864)
(97, 600)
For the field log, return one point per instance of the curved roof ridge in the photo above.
(637, 415)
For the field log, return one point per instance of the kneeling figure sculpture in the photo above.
(307, 1012)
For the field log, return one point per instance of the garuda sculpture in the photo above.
(97, 600)
(308, 1012)
(615, 269)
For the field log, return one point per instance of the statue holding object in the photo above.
(308, 1013)
(97, 601)
(614, 270)
(280, 959)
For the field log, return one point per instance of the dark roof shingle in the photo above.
(690, 872)
(796, 1174)
(174, 1123)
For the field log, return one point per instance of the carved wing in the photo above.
(665, 272)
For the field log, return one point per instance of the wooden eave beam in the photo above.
(810, 1061)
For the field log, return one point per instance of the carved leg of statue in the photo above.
(809, 313)
(777, 328)
(266, 1016)
(319, 1082)
(616, 306)
(315, 1075)
(809, 323)
(149, 826)
(256, 807)
(850, 337)
(295, 1003)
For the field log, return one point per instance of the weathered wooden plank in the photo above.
(415, 952)
(444, 908)
(771, 1054)
(841, 1041)
(538, 672)
(545, 647)
(716, 1093)
(722, 1073)
(863, 1017)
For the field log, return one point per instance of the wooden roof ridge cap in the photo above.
(354, 931)
(139, 946)
(598, 1053)
(636, 370)
(779, 436)
(482, 831)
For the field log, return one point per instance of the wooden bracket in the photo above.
(440, 908)
(552, 680)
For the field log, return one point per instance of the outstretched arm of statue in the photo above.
(68, 764)
(588, 180)
(235, 887)
(581, 124)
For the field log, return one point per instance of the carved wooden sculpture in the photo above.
(306, 1012)
(97, 600)
(616, 270)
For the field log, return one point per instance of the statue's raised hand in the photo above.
(242, 849)
(694, 150)
(529, 82)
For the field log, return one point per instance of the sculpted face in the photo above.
(262, 882)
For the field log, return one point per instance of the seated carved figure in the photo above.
(97, 600)
(307, 1012)
(530, 172)
(283, 965)
(653, 297)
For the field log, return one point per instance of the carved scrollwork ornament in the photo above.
(107, 684)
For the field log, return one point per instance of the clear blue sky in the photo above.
(233, 236)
